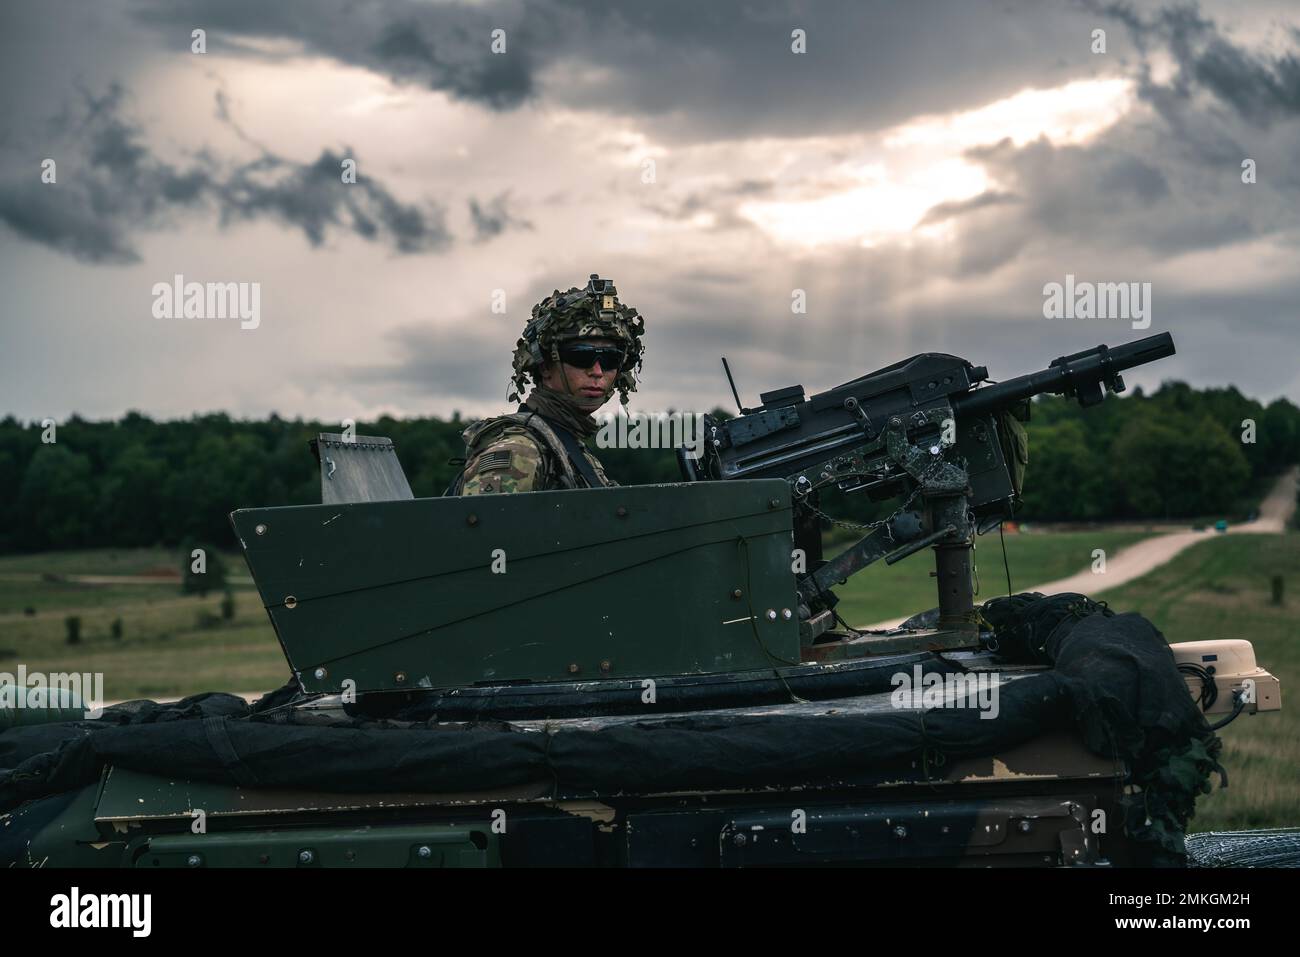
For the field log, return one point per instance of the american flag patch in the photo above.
(494, 461)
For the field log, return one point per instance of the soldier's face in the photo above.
(590, 388)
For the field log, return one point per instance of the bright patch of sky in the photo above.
(915, 167)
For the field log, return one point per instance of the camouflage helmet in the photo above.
(591, 311)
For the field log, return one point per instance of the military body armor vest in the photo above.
(575, 470)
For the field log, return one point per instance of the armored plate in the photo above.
(363, 468)
(542, 586)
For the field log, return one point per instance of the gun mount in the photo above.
(929, 429)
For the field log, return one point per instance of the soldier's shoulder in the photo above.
(513, 438)
(502, 428)
(509, 459)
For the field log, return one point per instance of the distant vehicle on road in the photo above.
(1221, 525)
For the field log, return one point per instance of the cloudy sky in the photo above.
(920, 171)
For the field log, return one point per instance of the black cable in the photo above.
(1005, 564)
(1209, 690)
(1240, 705)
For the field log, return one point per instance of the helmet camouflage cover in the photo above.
(591, 311)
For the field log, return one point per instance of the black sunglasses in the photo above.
(584, 356)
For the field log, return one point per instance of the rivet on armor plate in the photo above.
(622, 512)
(400, 677)
(605, 666)
(290, 602)
(771, 614)
(573, 668)
(472, 520)
(320, 674)
(260, 529)
(736, 593)
(786, 614)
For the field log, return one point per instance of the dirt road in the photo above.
(1275, 513)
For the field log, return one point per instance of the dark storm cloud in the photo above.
(1259, 87)
(110, 187)
(698, 71)
(107, 185)
(957, 208)
(1261, 90)
(438, 46)
(498, 81)
(1129, 176)
(1110, 198)
(493, 217)
(311, 197)
(1151, 188)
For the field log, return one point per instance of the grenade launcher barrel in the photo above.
(1080, 376)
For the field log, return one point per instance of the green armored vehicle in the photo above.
(657, 675)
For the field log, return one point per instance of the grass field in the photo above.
(882, 591)
(47, 582)
(1221, 589)
(99, 561)
(164, 651)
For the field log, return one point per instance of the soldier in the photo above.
(577, 349)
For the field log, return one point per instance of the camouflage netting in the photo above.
(1112, 678)
(1128, 700)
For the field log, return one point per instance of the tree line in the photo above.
(135, 482)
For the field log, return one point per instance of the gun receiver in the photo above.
(928, 429)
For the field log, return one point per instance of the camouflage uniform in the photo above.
(511, 458)
(521, 452)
